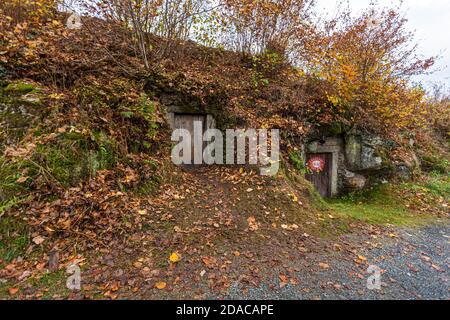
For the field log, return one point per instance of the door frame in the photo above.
(209, 123)
(204, 128)
(192, 114)
(329, 166)
(332, 145)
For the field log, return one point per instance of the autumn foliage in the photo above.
(85, 145)
(354, 71)
(367, 63)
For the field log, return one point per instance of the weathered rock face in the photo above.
(406, 164)
(353, 149)
(362, 152)
(354, 181)
(20, 105)
(369, 159)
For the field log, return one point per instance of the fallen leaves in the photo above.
(289, 227)
(174, 257)
(142, 212)
(252, 224)
(284, 281)
(13, 291)
(38, 240)
(209, 261)
(362, 258)
(324, 266)
(436, 267)
(22, 180)
(160, 285)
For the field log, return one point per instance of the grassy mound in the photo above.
(409, 203)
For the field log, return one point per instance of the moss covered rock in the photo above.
(21, 106)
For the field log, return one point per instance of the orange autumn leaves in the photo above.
(367, 70)
(174, 258)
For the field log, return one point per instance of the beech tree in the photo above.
(254, 26)
(368, 63)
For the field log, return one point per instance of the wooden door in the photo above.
(321, 179)
(186, 121)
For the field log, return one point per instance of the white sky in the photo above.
(430, 19)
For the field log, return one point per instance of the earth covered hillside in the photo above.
(86, 175)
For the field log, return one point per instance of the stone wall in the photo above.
(356, 157)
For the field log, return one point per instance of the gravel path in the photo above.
(415, 264)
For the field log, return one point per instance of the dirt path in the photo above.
(237, 235)
(244, 237)
(415, 264)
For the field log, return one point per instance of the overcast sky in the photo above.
(431, 21)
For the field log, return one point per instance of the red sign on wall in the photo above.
(316, 164)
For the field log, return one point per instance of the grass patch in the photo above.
(435, 185)
(436, 163)
(14, 238)
(46, 286)
(52, 284)
(379, 205)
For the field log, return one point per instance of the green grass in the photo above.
(14, 238)
(20, 88)
(379, 205)
(436, 184)
(44, 287)
(70, 159)
(52, 283)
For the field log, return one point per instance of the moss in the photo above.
(14, 125)
(14, 238)
(435, 163)
(10, 172)
(2, 73)
(20, 88)
(20, 108)
(75, 157)
(149, 186)
(21, 94)
(70, 159)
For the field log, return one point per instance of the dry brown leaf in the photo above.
(160, 285)
(13, 291)
(324, 265)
